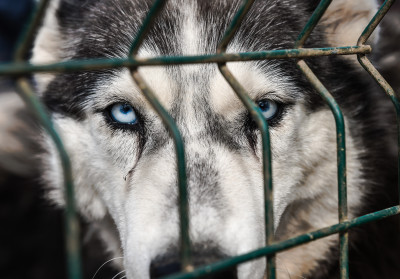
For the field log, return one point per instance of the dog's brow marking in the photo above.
(191, 43)
(156, 77)
(223, 99)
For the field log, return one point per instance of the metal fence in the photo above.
(20, 69)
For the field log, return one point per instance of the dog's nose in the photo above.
(160, 268)
(169, 264)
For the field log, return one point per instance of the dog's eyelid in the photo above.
(104, 104)
(274, 96)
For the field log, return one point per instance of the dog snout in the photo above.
(170, 263)
(164, 266)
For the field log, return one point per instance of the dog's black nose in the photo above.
(169, 264)
(160, 268)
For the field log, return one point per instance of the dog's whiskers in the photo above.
(287, 270)
(116, 275)
(113, 259)
(290, 275)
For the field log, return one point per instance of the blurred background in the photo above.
(31, 232)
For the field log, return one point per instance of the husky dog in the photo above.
(123, 159)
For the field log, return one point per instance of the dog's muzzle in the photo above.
(169, 264)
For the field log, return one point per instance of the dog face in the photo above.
(124, 163)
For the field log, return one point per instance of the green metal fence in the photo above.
(20, 69)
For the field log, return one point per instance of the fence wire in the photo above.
(20, 68)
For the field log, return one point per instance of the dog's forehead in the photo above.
(186, 87)
(182, 28)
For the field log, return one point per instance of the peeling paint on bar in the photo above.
(312, 22)
(341, 161)
(262, 125)
(340, 135)
(367, 65)
(16, 69)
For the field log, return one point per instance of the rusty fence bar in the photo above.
(262, 125)
(340, 135)
(18, 69)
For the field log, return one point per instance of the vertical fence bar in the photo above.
(182, 179)
(174, 132)
(71, 222)
(25, 90)
(367, 65)
(374, 22)
(28, 35)
(262, 125)
(341, 161)
(340, 135)
(155, 9)
(312, 22)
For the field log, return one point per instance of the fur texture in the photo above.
(125, 175)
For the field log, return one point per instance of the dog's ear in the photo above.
(50, 45)
(345, 20)
(47, 47)
(48, 41)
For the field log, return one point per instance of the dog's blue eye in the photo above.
(123, 113)
(268, 108)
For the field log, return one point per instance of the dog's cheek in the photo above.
(319, 160)
(118, 148)
(287, 157)
(88, 168)
(302, 157)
